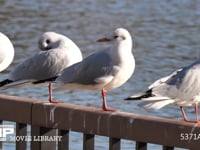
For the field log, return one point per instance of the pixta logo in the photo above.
(5, 131)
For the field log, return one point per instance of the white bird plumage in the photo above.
(6, 52)
(103, 70)
(56, 53)
(181, 87)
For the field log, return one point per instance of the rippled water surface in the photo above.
(166, 37)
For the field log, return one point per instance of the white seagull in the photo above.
(103, 70)
(6, 52)
(56, 53)
(181, 87)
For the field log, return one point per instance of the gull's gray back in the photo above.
(184, 84)
(89, 70)
(58, 52)
(40, 66)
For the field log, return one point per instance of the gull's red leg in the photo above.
(51, 100)
(104, 104)
(196, 112)
(185, 117)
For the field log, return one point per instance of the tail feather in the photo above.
(158, 104)
(141, 96)
(156, 98)
(5, 82)
(10, 84)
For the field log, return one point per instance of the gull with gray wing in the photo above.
(56, 53)
(103, 70)
(182, 88)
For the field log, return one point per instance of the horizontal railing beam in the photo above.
(94, 121)
(16, 109)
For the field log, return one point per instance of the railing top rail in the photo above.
(92, 120)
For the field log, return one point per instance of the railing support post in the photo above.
(141, 146)
(64, 143)
(38, 143)
(21, 130)
(88, 142)
(114, 144)
(168, 148)
(1, 122)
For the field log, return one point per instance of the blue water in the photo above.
(166, 37)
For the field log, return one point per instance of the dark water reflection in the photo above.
(166, 35)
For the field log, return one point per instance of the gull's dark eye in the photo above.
(120, 37)
(47, 41)
(115, 36)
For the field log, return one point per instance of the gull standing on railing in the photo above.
(57, 52)
(103, 70)
(182, 88)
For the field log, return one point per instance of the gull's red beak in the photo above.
(103, 40)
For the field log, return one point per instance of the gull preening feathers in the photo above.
(56, 53)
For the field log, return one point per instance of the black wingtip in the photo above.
(5, 82)
(45, 80)
(140, 96)
(133, 98)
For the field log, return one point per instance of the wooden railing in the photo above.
(48, 119)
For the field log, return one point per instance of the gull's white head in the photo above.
(52, 40)
(119, 36)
